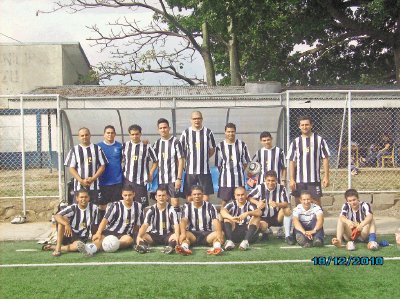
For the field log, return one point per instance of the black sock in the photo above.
(228, 230)
(250, 232)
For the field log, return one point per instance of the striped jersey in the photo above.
(307, 218)
(230, 158)
(86, 160)
(356, 216)
(122, 219)
(137, 157)
(113, 172)
(168, 152)
(261, 192)
(81, 221)
(200, 219)
(235, 210)
(195, 144)
(307, 152)
(161, 222)
(270, 159)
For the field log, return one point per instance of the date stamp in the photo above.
(348, 260)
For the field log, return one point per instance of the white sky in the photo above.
(18, 20)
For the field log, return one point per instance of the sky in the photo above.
(19, 23)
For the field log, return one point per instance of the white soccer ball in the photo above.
(350, 246)
(110, 244)
(373, 245)
(254, 168)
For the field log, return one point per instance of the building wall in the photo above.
(73, 65)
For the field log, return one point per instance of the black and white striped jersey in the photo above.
(230, 160)
(235, 210)
(270, 159)
(137, 157)
(161, 222)
(168, 153)
(195, 144)
(86, 160)
(200, 219)
(356, 216)
(261, 192)
(307, 152)
(122, 219)
(81, 221)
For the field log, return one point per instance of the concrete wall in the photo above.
(73, 64)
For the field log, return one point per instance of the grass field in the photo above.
(273, 272)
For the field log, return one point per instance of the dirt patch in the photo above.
(37, 210)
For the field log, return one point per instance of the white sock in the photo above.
(185, 245)
(287, 224)
(217, 245)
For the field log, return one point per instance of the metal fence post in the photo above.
(349, 140)
(287, 136)
(23, 155)
(59, 149)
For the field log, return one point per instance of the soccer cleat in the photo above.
(280, 234)
(317, 242)
(244, 245)
(290, 240)
(214, 251)
(229, 245)
(142, 248)
(83, 249)
(182, 251)
(168, 250)
(301, 240)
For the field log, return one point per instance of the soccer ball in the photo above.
(373, 245)
(254, 168)
(350, 246)
(110, 244)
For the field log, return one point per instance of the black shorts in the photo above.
(73, 238)
(95, 197)
(111, 193)
(140, 192)
(272, 221)
(203, 180)
(226, 193)
(118, 235)
(240, 232)
(201, 237)
(313, 188)
(170, 187)
(158, 239)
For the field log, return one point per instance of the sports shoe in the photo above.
(350, 246)
(318, 242)
(290, 240)
(181, 250)
(214, 251)
(244, 245)
(83, 249)
(142, 248)
(280, 234)
(301, 240)
(229, 245)
(168, 250)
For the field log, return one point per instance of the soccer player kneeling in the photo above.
(164, 223)
(241, 221)
(122, 219)
(308, 221)
(199, 217)
(75, 223)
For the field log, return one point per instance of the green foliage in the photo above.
(91, 78)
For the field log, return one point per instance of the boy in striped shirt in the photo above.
(75, 223)
(231, 158)
(241, 221)
(163, 222)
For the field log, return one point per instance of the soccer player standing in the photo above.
(170, 162)
(137, 157)
(198, 145)
(111, 179)
(231, 158)
(305, 154)
(86, 162)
